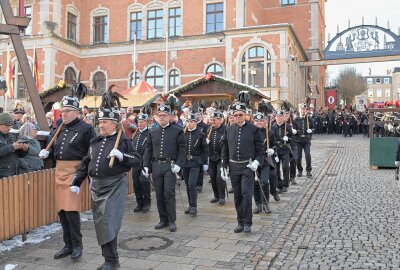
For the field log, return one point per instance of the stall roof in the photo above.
(212, 77)
(135, 101)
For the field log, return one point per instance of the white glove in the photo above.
(285, 138)
(397, 163)
(208, 141)
(294, 131)
(276, 159)
(175, 169)
(75, 189)
(205, 168)
(44, 153)
(309, 131)
(116, 153)
(224, 174)
(145, 172)
(253, 166)
(270, 151)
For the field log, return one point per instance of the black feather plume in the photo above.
(265, 107)
(110, 99)
(173, 102)
(244, 97)
(223, 105)
(146, 110)
(285, 106)
(79, 90)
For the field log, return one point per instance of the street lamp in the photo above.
(253, 72)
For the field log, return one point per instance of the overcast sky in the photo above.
(339, 12)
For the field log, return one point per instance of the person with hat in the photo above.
(9, 148)
(109, 185)
(164, 157)
(18, 113)
(305, 127)
(69, 148)
(293, 145)
(215, 147)
(196, 160)
(243, 152)
(282, 133)
(266, 171)
(141, 184)
(202, 127)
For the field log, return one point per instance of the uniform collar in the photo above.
(166, 125)
(142, 130)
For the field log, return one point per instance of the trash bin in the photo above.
(382, 152)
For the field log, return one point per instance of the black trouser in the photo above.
(141, 186)
(306, 146)
(293, 161)
(365, 129)
(242, 179)
(165, 181)
(284, 160)
(200, 179)
(109, 252)
(190, 175)
(347, 131)
(263, 173)
(71, 224)
(218, 185)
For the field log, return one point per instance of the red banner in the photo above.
(330, 98)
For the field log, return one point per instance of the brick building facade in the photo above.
(257, 42)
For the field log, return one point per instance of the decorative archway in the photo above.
(363, 41)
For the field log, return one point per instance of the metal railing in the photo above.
(27, 201)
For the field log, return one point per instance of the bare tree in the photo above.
(350, 83)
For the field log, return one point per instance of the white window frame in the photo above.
(386, 80)
(388, 93)
(28, 30)
(101, 11)
(378, 93)
(371, 93)
(73, 10)
(135, 8)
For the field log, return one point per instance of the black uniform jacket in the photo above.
(139, 141)
(96, 162)
(73, 141)
(196, 149)
(301, 126)
(215, 145)
(272, 143)
(241, 143)
(278, 132)
(166, 143)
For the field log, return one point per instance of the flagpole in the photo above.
(134, 57)
(166, 61)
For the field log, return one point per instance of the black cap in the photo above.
(164, 108)
(72, 102)
(216, 114)
(143, 116)
(107, 114)
(192, 117)
(239, 106)
(259, 116)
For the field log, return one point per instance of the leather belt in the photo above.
(190, 157)
(239, 161)
(162, 160)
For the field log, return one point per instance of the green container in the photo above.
(382, 152)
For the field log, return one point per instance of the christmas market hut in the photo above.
(213, 87)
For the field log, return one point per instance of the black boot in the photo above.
(64, 252)
(146, 208)
(138, 208)
(258, 209)
(76, 253)
(266, 208)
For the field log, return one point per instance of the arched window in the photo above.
(215, 69)
(70, 76)
(99, 81)
(174, 80)
(155, 77)
(134, 79)
(256, 67)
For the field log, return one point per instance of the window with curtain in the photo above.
(256, 67)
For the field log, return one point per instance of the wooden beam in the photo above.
(350, 61)
(9, 29)
(25, 68)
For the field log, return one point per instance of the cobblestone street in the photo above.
(345, 217)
